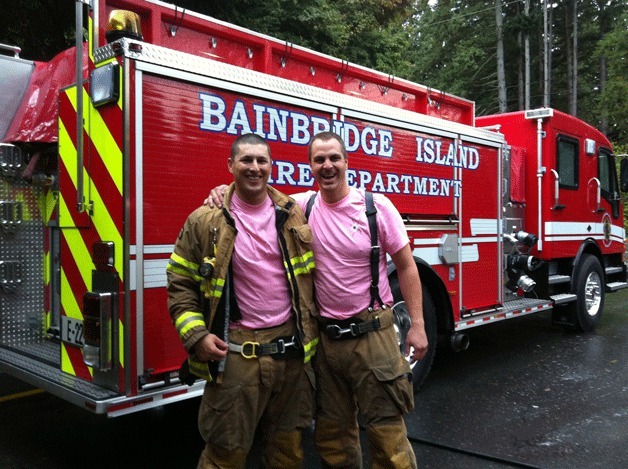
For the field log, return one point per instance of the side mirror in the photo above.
(623, 175)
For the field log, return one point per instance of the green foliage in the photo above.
(454, 47)
(449, 45)
(41, 28)
(613, 99)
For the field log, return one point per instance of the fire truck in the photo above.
(109, 146)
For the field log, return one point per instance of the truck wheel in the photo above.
(421, 368)
(589, 288)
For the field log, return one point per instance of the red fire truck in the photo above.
(109, 146)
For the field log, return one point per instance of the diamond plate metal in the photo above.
(22, 311)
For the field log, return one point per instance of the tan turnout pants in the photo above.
(365, 375)
(277, 395)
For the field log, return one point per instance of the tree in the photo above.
(41, 28)
(501, 72)
(612, 104)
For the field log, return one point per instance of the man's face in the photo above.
(329, 167)
(251, 168)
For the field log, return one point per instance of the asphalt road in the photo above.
(525, 394)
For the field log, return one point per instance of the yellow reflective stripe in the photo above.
(105, 144)
(90, 37)
(310, 349)
(121, 342)
(186, 316)
(181, 266)
(106, 227)
(77, 246)
(112, 158)
(183, 262)
(48, 207)
(199, 369)
(66, 363)
(68, 300)
(183, 271)
(217, 287)
(67, 149)
(189, 320)
(303, 264)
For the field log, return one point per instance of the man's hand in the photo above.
(211, 347)
(216, 196)
(416, 342)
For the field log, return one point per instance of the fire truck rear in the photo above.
(108, 147)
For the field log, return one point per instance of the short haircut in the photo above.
(325, 136)
(248, 139)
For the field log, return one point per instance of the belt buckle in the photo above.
(252, 345)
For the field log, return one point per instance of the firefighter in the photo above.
(240, 295)
(359, 367)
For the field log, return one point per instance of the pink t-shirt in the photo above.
(342, 245)
(260, 281)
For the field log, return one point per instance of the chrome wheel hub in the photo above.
(593, 293)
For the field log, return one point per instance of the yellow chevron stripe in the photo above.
(47, 320)
(66, 363)
(105, 145)
(49, 204)
(67, 149)
(46, 271)
(90, 37)
(101, 218)
(121, 342)
(107, 229)
(68, 300)
(77, 246)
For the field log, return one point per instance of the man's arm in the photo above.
(217, 196)
(410, 284)
(183, 298)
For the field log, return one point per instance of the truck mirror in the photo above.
(623, 175)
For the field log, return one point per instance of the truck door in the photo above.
(480, 212)
(607, 176)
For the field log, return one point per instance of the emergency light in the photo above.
(105, 84)
(539, 113)
(123, 23)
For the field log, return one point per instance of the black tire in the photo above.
(589, 288)
(421, 368)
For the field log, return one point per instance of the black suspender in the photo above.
(310, 204)
(371, 213)
(371, 216)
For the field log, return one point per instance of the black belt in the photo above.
(282, 348)
(349, 328)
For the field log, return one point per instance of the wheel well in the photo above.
(589, 246)
(434, 284)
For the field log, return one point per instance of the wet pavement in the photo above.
(525, 394)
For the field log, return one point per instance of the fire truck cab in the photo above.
(107, 148)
